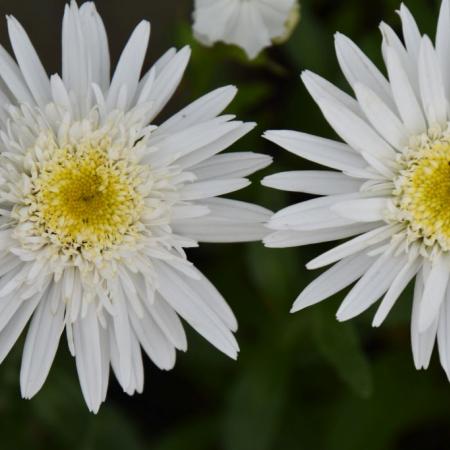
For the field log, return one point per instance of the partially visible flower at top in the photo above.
(98, 205)
(390, 186)
(250, 24)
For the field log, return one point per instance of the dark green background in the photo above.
(302, 381)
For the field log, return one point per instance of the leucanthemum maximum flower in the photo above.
(250, 24)
(390, 186)
(98, 205)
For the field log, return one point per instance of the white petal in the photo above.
(341, 275)
(29, 62)
(197, 143)
(363, 210)
(422, 343)
(212, 188)
(13, 78)
(322, 151)
(312, 219)
(392, 42)
(227, 221)
(88, 355)
(167, 319)
(411, 32)
(318, 182)
(376, 236)
(319, 88)
(98, 51)
(12, 331)
(404, 95)
(434, 291)
(41, 343)
(381, 117)
(203, 109)
(355, 131)
(443, 43)
(231, 165)
(167, 81)
(372, 285)
(153, 341)
(443, 334)
(121, 333)
(294, 238)
(357, 68)
(129, 67)
(75, 61)
(431, 85)
(399, 284)
(191, 307)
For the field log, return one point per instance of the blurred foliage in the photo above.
(303, 381)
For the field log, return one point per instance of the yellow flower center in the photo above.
(86, 200)
(424, 194)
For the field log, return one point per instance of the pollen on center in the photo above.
(425, 194)
(85, 199)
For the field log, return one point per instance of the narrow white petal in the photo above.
(294, 238)
(201, 110)
(355, 131)
(399, 284)
(227, 221)
(88, 355)
(314, 219)
(231, 165)
(42, 343)
(213, 299)
(13, 78)
(315, 203)
(363, 210)
(318, 182)
(12, 331)
(153, 341)
(434, 291)
(197, 143)
(320, 88)
(167, 81)
(443, 334)
(98, 50)
(381, 117)
(376, 236)
(411, 32)
(443, 43)
(422, 343)
(75, 61)
(322, 151)
(392, 42)
(373, 284)
(432, 85)
(341, 275)
(29, 62)
(199, 315)
(357, 68)
(169, 322)
(129, 67)
(212, 188)
(404, 95)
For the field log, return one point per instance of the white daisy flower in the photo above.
(250, 24)
(98, 205)
(390, 186)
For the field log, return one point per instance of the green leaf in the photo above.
(256, 402)
(341, 347)
(198, 434)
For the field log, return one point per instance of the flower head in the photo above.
(250, 24)
(98, 204)
(390, 185)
